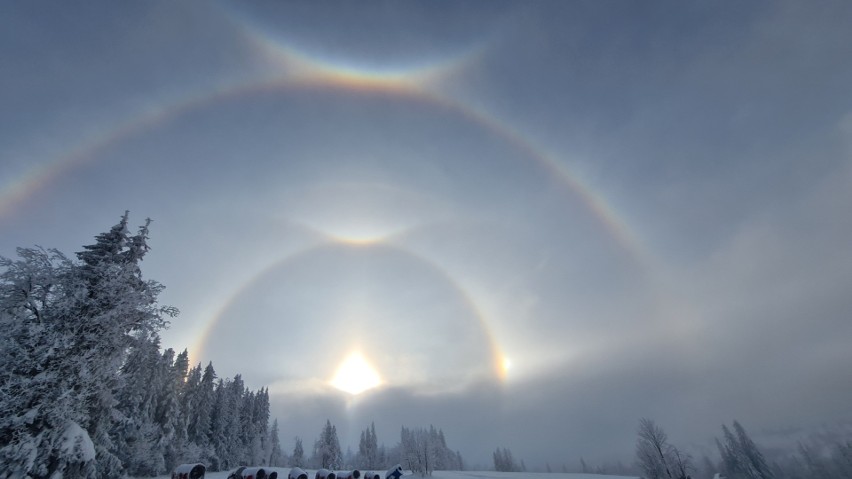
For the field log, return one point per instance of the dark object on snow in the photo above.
(189, 471)
(238, 473)
(297, 473)
(394, 473)
(372, 475)
(325, 474)
(272, 475)
(356, 474)
(255, 473)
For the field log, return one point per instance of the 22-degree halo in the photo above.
(613, 223)
(400, 341)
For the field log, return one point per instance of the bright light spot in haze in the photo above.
(507, 365)
(355, 375)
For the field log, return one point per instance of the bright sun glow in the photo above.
(355, 375)
(507, 365)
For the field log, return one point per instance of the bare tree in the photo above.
(740, 455)
(681, 462)
(652, 450)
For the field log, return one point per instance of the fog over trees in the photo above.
(425, 450)
(504, 462)
(827, 456)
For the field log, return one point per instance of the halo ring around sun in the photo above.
(334, 336)
(328, 76)
(33, 181)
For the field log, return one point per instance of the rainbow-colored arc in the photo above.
(497, 359)
(296, 71)
(301, 68)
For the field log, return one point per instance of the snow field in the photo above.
(282, 472)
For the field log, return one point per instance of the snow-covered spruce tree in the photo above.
(276, 454)
(114, 308)
(136, 433)
(199, 425)
(236, 444)
(200, 420)
(192, 452)
(261, 446)
(368, 448)
(327, 452)
(68, 328)
(219, 419)
(298, 457)
(199, 409)
(444, 457)
(504, 461)
(37, 402)
(249, 441)
(167, 415)
(229, 448)
(238, 423)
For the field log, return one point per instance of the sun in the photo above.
(355, 375)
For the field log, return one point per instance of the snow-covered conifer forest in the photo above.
(87, 390)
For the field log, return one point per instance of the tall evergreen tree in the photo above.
(276, 455)
(298, 457)
(188, 402)
(199, 420)
(76, 321)
(368, 448)
(504, 461)
(136, 434)
(327, 452)
(36, 359)
(219, 419)
(86, 391)
(233, 448)
(260, 446)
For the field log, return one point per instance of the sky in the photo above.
(530, 223)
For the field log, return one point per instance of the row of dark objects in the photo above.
(298, 473)
(197, 471)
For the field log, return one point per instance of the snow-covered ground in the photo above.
(282, 473)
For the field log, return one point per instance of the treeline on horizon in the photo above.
(86, 391)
